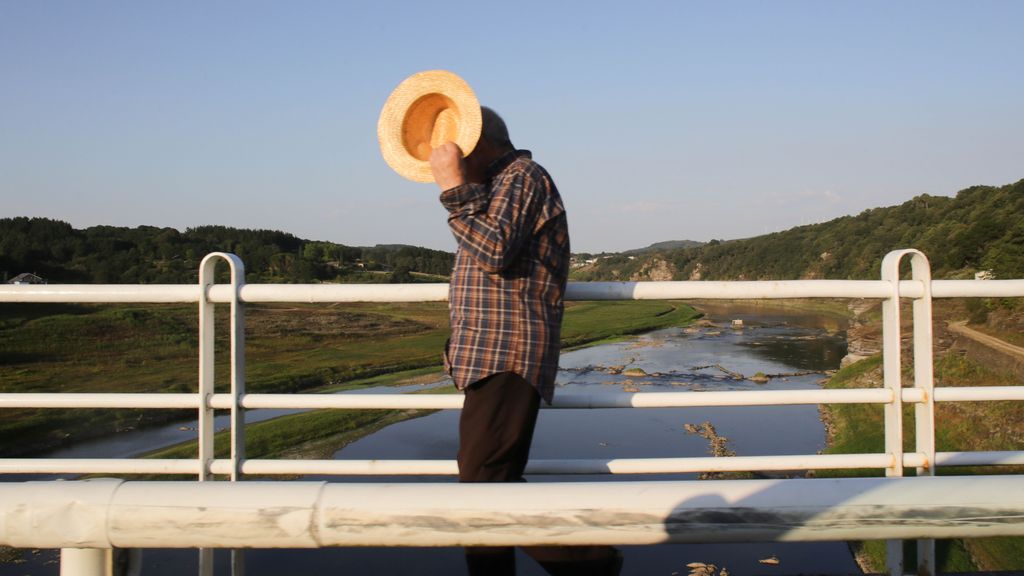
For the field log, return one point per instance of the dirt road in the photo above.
(990, 341)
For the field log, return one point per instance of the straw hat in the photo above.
(427, 110)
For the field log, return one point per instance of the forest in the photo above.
(59, 253)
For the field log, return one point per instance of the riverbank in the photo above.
(319, 434)
(290, 348)
(396, 340)
(838, 308)
(964, 426)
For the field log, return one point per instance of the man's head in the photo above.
(450, 169)
(493, 144)
(493, 131)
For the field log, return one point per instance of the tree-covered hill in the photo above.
(108, 254)
(982, 228)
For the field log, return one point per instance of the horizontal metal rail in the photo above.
(980, 458)
(99, 466)
(979, 394)
(447, 401)
(450, 467)
(98, 400)
(799, 462)
(688, 465)
(578, 401)
(668, 290)
(582, 466)
(563, 401)
(114, 513)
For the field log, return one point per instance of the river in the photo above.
(708, 356)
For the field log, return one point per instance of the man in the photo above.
(506, 308)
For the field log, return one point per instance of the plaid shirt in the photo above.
(505, 296)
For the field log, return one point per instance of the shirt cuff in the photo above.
(470, 196)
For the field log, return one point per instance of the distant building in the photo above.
(27, 278)
(576, 262)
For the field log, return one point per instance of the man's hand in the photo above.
(448, 165)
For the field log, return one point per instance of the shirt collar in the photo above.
(505, 160)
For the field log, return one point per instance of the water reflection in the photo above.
(803, 340)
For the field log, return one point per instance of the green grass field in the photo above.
(587, 323)
(290, 348)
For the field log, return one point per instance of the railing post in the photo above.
(924, 380)
(893, 382)
(206, 387)
(924, 412)
(237, 365)
(237, 429)
(85, 562)
(207, 277)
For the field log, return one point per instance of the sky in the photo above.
(658, 120)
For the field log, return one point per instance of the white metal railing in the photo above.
(306, 514)
(890, 289)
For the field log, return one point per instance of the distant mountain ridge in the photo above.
(980, 229)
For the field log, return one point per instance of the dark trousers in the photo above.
(495, 432)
